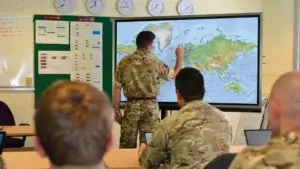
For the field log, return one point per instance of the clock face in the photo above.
(185, 7)
(95, 6)
(125, 7)
(155, 7)
(64, 6)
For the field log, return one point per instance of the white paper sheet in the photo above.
(91, 78)
(52, 32)
(87, 62)
(55, 62)
(86, 36)
(86, 45)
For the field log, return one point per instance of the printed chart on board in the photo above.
(86, 46)
(84, 61)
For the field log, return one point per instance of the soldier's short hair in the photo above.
(144, 38)
(73, 123)
(189, 82)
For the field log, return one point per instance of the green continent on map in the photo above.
(234, 86)
(125, 49)
(163, 33)
(216, 54)
(129, 49)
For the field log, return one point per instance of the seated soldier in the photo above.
(73, 123)
(283, 150)
(192, 137)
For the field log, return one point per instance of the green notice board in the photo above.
(43, 81)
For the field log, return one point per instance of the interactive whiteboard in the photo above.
(225, 50)
(16, 51)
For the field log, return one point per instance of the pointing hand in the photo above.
(179, 51)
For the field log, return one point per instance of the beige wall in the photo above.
(201, 7)
(277, 39)
(278, 48)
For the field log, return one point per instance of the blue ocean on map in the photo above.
(237, 84)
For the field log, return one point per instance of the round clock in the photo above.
(185, 7)
(95, 6)
(125, 7)
(64, 6)
(155, 7)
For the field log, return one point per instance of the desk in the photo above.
(24, 160)
(16, 131)
(115, 159)
(122, 159)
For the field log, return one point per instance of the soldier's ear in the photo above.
(273, 109)
(38, 147)
(110, 142)
(149, 47)
(178, 95)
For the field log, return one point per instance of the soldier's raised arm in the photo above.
(167, 73)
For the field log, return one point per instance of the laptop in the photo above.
(257, 137)
(148, 137)
(2, 136)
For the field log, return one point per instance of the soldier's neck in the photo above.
(142, 51)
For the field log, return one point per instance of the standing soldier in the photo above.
(140, 74)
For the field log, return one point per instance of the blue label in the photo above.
(96, 32)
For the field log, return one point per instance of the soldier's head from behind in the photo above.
(73, 123)
(189, 83)
(284, 104)
(144, 41)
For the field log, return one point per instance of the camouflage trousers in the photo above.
(140, 116)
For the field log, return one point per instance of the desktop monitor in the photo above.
(257, 137)
(2, 137)
(226, 49)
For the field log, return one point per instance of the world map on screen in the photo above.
(225, 50)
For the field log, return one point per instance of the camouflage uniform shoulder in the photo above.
(197, 114)
(282, 152)
(218, 112)
(204, 109)
(196, 135)
(141, 57)
(125, 59)
(167, 122)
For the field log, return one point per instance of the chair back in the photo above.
(221, 162)
(6, 115)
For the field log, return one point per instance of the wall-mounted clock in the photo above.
(155, 7)
(125, 7)
(185, 7)
(95, 6)
(64, 6)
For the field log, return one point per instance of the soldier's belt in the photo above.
(141, 98)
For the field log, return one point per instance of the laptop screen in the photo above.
(257, 137)
(2, 136)
(148, 137)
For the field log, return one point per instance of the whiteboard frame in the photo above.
(17, 88)
(249, 108)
